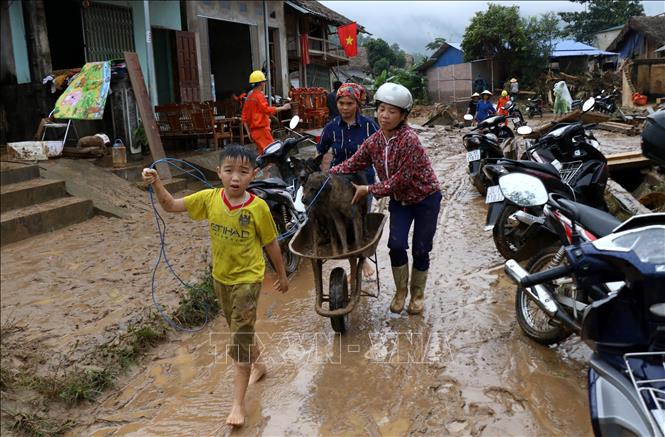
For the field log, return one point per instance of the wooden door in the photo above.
(186, 70)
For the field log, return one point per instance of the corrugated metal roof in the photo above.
(437, 54)
(569, 47)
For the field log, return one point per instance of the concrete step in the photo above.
(23, 223)
(11, 172)
(22, 194)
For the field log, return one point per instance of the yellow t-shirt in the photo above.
(237, 234)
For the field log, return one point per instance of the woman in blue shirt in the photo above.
(485, 108)
(346, 132)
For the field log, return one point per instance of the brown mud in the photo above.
(463, 368)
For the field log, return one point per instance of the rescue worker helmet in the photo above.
(504, 93)
(394, 94)
(257, 76)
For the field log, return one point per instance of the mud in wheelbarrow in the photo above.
(340, 301)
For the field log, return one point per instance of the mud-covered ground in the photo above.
(463, 368)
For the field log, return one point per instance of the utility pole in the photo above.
(267, 42)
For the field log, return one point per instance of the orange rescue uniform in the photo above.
(256, 114)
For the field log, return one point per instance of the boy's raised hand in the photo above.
(149, 175)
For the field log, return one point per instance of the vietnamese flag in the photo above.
(348, 38)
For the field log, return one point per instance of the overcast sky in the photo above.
(412, 24)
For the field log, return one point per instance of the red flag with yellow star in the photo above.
(348, 38)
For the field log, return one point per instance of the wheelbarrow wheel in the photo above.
(339, 298)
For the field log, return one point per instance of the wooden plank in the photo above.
(576, 115)
(147, 116)
(619, 161)
(618, 127)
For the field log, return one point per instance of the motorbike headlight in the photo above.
(647, 243)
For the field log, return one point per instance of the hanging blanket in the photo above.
(85, 97)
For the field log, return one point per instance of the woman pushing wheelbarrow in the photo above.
(405, 175)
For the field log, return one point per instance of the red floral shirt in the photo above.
(401, 163)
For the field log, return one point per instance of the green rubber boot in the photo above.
(418, 283)
(401, 277)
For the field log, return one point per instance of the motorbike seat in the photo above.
(598, 222)
(267, 183)
(545, 167)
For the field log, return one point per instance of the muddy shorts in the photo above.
(239, 303)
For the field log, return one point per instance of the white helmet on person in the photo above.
(394, 94)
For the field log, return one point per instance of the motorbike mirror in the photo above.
(468, 117)
(294, 122)
(523, 190)
(524, 130)
(588, 104)
(602, 91)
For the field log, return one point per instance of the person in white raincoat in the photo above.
(562, 99)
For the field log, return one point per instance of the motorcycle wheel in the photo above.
(533, 321)
(510, 236)
(291, 260)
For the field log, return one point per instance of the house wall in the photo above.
(250, 13)
(19, 42)
(450, 83)
(449, 57)
(602, 40)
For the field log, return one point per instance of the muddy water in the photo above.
(461, 369)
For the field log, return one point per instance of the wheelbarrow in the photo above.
(339, 299)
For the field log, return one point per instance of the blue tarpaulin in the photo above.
(569, 47)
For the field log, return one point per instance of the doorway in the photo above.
(230, 57)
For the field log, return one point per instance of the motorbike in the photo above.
(534, 107)
(491, 138)
(283, 194)
(569, 163)
(607, 102)
(572, 223)
(514, 114)
(624, 326)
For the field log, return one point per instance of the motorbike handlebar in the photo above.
(546, 276)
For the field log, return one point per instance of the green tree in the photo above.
(434, 45)
(599, 15)
(496, 33)
(381, 56)
(523, 45)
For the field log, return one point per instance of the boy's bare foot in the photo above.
(236, 416)
(258, 370)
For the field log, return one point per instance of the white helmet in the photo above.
(394, 94)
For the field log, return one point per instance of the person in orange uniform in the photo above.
(256, 112)
(502, 102)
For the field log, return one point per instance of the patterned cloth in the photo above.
(349, 89)
(85, 97)
(401, 163)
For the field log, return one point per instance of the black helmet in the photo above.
(653, 137)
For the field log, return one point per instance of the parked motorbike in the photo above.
(625, 329)
(534, 107)
(572, 223)
(607, 102)
(569, 164)
(283, 194)
(514, 114)
(491, 138)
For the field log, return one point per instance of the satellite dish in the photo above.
(524, 130)
(294, 122)
(468, 117)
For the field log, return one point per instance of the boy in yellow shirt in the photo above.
(240, 226)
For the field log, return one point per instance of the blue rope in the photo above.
(161, 229)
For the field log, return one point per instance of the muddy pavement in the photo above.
(463, 368)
